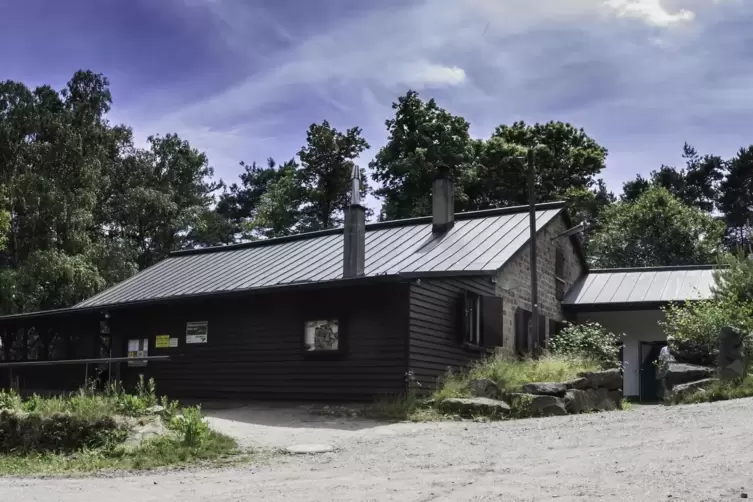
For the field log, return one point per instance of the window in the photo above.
(559, 272)
(480, 320)
(472, 327)
(322, 336)
(522, 330)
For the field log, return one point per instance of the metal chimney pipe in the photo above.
(354, 233)
(443, 202)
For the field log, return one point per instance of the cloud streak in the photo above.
(626, 70)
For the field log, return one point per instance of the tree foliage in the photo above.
(80, 206)
(589, 341)
(656, 230)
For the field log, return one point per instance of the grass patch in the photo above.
(719, 391)
(510, 373)
(160, 452)
(87, 431)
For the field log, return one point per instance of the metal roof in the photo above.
(642, 285)
(479, 242)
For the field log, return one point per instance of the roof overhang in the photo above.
(280, 288)
(618, 307)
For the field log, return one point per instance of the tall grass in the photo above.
(510, 373)
(719, 391)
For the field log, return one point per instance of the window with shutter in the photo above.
(471, 318)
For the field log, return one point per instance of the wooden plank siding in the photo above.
(255, 345)
(435, 321)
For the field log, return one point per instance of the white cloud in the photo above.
(650, 11)
(424, 74)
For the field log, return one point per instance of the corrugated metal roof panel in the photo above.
(478, 242)
(649, 285)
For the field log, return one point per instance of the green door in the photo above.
(649, 385)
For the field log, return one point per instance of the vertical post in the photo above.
(534, 276)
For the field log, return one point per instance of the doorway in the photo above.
(649, 387)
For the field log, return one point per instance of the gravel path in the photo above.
(690, 453)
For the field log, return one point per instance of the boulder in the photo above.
(142, 430)
(484, 387)
(731, 360)
(581, 401)
(544, 389)
(685, 389)
(578, 383)
(532, 405)
(475, 406)
(680, 373)
(607, 379)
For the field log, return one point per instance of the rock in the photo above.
(731, 360)
(151, 428)
(470, 407)
(616, 396)
(607, 379)
(684, 389)
(680, 373)
(156, 409)
(578, 383)
(544, 389)
(484, 387)
(581, 401)
(532, 405)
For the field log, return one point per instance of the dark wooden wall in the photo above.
(435, 322)
(255, 346)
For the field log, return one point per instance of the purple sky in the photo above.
(243, 79)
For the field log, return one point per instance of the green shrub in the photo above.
(734, 280)
(698, 324)
(589, 341)
(24, 432)
(10, 400)
(191, 426)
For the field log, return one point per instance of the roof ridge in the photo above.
(668, 268)
(468, 215)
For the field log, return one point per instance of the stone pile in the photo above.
(591, 391)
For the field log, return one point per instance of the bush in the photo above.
(589, 341)
(24, 432)
(734, 281)
(191, 426)
(696, 326)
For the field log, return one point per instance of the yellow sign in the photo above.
(162, 341)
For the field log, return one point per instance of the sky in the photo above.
(243, 79)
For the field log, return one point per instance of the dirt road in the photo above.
(691, 453)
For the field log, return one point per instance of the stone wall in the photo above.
(514, 281)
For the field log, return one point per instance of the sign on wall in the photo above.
(162, 341)
(137, 349)
(197, 332)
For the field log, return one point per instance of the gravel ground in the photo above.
(690, 453)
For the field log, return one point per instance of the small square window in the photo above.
(322, 336)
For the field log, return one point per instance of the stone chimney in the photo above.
(443, 202)
(354, 251)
